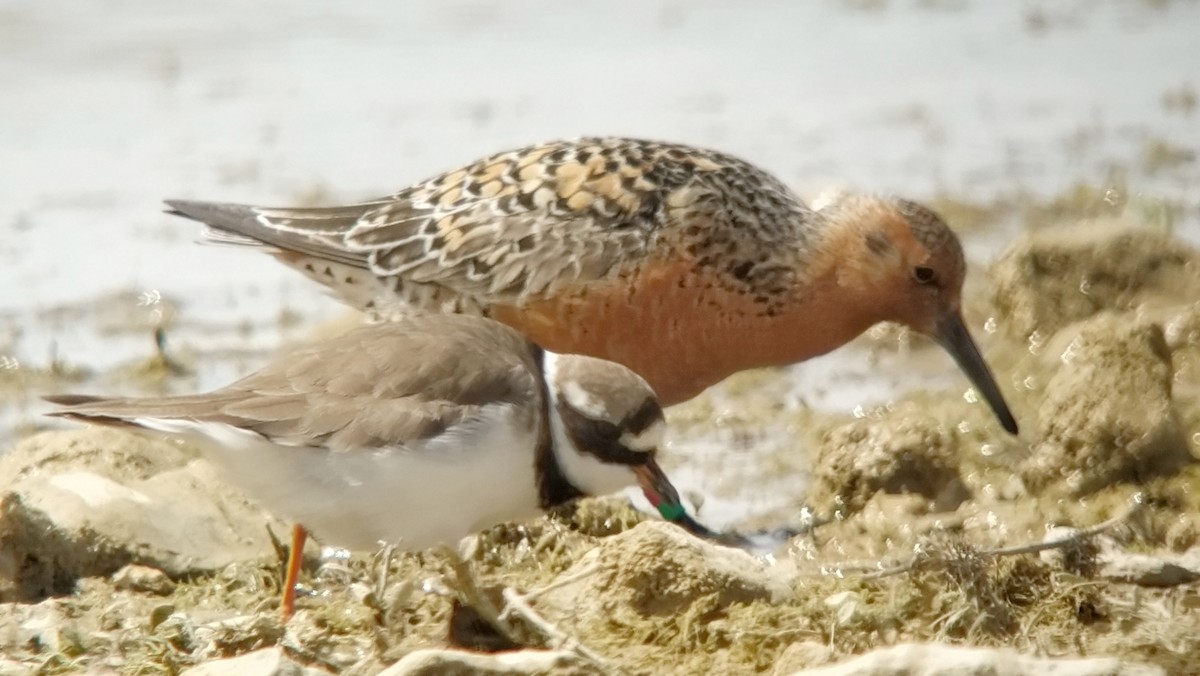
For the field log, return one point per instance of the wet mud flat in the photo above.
(120, 555)
(1076, 545)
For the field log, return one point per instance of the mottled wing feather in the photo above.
(521, 225)
(517, 225)
(376, 386)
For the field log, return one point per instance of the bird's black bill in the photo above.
(660, 491)
(952, 334)
(662, 494)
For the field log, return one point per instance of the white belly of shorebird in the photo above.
(471, 477)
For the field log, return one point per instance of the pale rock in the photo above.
(1160, 569)
(436, 662)
(143, 579)
(40, 624)
(87, 502)
(1103, 557)
(799, 655)
(265, 662)
(914, 659)
(14, 668)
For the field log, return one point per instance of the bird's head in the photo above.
(902, 262)
(607, 427)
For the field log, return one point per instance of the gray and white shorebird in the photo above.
(418, 432)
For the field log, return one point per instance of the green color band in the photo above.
(671, 512)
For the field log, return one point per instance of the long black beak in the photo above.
(952, 334)
(659, 490)
(662, 494)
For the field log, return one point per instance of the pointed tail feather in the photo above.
(314, 232)
(225, 216)
(88, 408)
(223, 223)
(134, 412)
(73, 399)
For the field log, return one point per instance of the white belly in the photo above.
(471, 478)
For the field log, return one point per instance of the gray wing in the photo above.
(376, 386)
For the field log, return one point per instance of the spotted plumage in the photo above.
(683, 264)
(521, 225)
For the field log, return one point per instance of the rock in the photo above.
(143, 579)
(519, 663)
(46, 625)
(1051, 278)
(1102, 556)
(893, 454)
(130, 499)
(1146, 570)
(1107, 414)
(265, 662)
(914, 659)
(106, 451)
(800, 655)
(14, 668)
(1162, 569)
(655, 570)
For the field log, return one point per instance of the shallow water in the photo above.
(113, 106)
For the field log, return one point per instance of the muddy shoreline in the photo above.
(1096, 340)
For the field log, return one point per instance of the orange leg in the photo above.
(287, 606)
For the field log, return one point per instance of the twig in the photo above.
(1082, 534)
(515, 603)
(560, 583)
(384, 558)
(1029, 548)
(469, 593)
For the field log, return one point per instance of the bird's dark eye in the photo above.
(923, 275)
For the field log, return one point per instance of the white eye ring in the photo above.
(924, 274)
